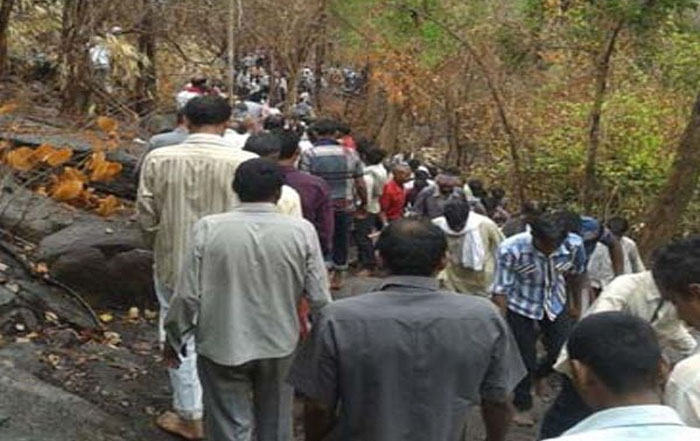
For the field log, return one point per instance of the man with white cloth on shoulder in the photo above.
(473, 242)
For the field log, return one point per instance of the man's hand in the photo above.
(170, 357)
(501, 302)
(574, 312)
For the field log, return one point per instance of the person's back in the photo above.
(408, 361)
(264, 245)
(414, 360)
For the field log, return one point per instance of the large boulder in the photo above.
(105, 261)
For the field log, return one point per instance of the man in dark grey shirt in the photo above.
(407, 362)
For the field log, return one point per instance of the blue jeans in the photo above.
(341, 240)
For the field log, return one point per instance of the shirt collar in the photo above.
(207, 138)
(411, 282)
(256, 207)
(325, 141)
(627, 416)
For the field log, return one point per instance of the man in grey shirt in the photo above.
(238, 292)
(174, 137)
(407, 362)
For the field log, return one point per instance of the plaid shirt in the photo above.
(338, 166)
(534, 283)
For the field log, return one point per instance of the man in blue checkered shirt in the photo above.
(535, 272)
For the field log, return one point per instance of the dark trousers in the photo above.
(526, 331)
(567, 410)
(365, 247)
(341, 239)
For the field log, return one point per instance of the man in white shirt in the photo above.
(680, 284)
(178, 186)
(244, 275)
(600, 270)
(617, 367)
(375, 177)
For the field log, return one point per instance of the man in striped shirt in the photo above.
(532, 273)
(343, 170)
(178, 186)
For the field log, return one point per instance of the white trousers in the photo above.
(187, 391)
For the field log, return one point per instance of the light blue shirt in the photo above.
(632, 423)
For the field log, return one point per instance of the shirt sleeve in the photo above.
(316, 276)
(358, 168)
(305, 161)
(685, 400)
(506, 368)
(184, 306)
(635, 259)
(504, 282)
(580, 258)
(146, 204)
(314, 371)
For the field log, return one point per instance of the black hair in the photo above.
(375, 156)
(477, 188)
(289, 143)
(572, 220)
(618, 225)
(677, 265)
(274, 122)
(551, 227)
(456, 213)
(207, 110)
(414, 164)
(622, 350)
(324, 127)
(434, 171)
(180, 116)
(532, 208)
(258, 180)
(199, 81)
(498, 194)
(412, 247)
(264, 144)
(344, 128)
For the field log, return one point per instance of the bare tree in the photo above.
(5, 12)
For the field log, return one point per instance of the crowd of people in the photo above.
(254, 227)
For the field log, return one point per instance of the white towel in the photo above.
(473, 251)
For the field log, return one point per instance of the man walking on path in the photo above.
(178, 186)
(393, 200)
(314, 192)
(407, 362)
(375, 178)
(244, 274)
(531, 288)
(342, 169)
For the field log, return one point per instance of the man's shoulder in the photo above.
(518, 242)
(687, 373)
(188, 150)
(631, 284)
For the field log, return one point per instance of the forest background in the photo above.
(592, 105)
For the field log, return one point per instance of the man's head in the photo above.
(264, 144)
(258, 180)
(618, 226)
(548, 232)
(447, 183)
(477, 187)
(289, 146)
(325, 128)
(402, 173)
(207, 114)
(414, 164)
(457, 213)
(375, 156)
(676, 270)
(344, 129)
(274, 122)
(615, 360)
(412, 247)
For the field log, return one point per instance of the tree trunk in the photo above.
(75, 90)
(5, 11)
(146, 86)
(389, 134)
(663, 217)
(601, 79)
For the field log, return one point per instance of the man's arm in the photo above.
(316, 285)
(146, 203)
(184, 306)
(361, 190)
(497, 416)
(504, 281)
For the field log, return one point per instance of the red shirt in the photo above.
(393, 200)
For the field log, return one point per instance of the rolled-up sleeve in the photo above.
(314, 372)
(504, 281)
(506, 368)
(185, 304)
